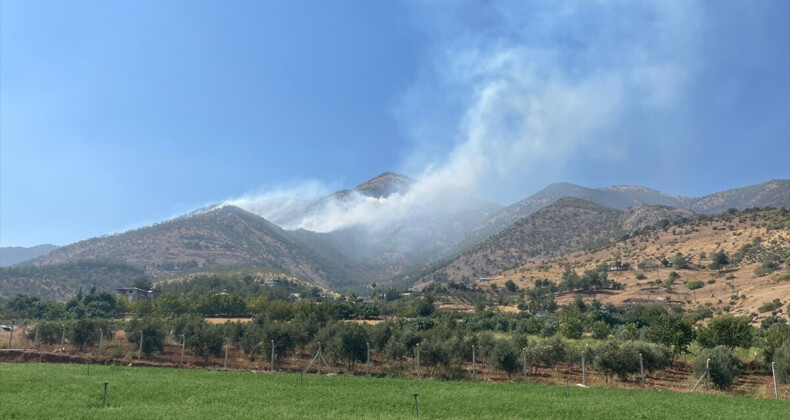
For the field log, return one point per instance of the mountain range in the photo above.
(567, 225)
(775, 193)
(448, 234)
(10, 255)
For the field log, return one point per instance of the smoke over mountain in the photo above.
(534, 88)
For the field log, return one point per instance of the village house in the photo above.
(134, 294)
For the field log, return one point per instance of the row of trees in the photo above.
(445, 346)
(675, 330)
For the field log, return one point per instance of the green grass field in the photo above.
(45, 391)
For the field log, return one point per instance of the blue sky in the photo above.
(115, 115)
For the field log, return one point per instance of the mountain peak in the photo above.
(385, 184)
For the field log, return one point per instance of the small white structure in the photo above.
(134, 294)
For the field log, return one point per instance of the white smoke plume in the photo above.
(534, 86)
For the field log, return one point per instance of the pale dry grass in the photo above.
(743, 281)
(224, 320)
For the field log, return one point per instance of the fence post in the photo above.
(63, 339)
(642, 370)
(101, 341)
(418, 360)
(524, 356)
(367, 363)
(474, 362)
(35, 341)
(140, 350)
(773, 372)
(225, 365)
(183, 344)
(272, 363)
(11, 336)
(584, 368)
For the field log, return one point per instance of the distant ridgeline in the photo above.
(477, 239)
(62, 281)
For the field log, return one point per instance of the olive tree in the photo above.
(505, 356)
(782, 360)
(724, 366)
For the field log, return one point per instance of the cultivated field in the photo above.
(69, 391)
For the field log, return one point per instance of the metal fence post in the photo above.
(272, 363)
(140, 350)
(24, 334)
(367, 363)
(524, 356)
(11, 336)
(183, 342)
(63, 339)
(101, 341)
(35, 341)
(474, 363)
(225, 365)
(418, 360)
(584, 369)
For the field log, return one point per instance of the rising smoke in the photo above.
(529, 86)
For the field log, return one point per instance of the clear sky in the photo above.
(116, 114)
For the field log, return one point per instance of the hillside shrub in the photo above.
(770, 306)
(694, 284)
(724, 366)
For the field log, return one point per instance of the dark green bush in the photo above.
(48, 332)
(153, 332)
(546, 353)
(613, 358)
(782, 360)
(505, 356)
(724, 366)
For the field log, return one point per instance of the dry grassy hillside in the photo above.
(567, 225)
(223, 236)
(736, 288)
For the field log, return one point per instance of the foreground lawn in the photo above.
(66, 391)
